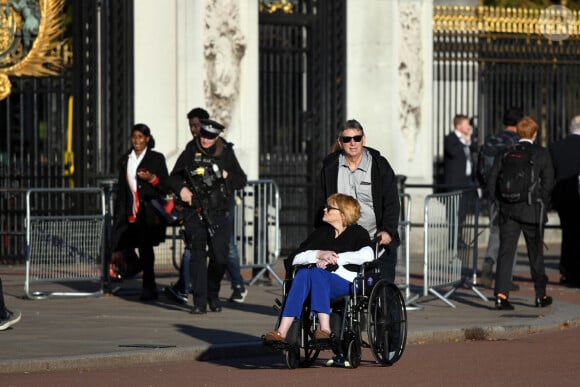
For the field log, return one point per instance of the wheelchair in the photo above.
(373, 315)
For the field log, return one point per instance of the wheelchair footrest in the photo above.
(278, 345)
(321, 345)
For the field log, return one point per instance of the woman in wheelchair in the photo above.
(325, 256)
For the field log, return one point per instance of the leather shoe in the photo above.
(214, 305)
(320, 334)
(542, 302)
(503, 304)
(198, 310)
(148, 294)
(274, 336)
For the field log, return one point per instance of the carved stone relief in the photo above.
(224, 48)
(410, 72)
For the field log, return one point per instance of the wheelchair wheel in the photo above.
(293, 357)
(353, 352)
(387, 322)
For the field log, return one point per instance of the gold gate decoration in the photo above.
(482, 19)
(30, 43)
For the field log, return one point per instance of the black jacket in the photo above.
(522, 212)
(455, 163)
(150, 229)
(222, 154)
(386, 202)
(566, 160)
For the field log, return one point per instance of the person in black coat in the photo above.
(566, 200)
(526, 217)
(458, 156)
(205, 177)
(137, 224)
(361, 172)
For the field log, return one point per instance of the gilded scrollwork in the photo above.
(30, 43)
(484, 19)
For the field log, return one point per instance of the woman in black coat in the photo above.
(137, 224)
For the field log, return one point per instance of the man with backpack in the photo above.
(521, 181)
(494, 146)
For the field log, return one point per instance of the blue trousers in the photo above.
(321, 285)
(233, 265)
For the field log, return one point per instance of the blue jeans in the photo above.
(233, 265)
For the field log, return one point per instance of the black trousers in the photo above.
(147, 257)
(388, 265)
(570, 255)
(509, 233)
(206, 279)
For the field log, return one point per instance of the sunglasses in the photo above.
(329, 208)
(347, 139)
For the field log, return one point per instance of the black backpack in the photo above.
(517, 180)
(494, 145)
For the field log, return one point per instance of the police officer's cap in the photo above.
(210, 128)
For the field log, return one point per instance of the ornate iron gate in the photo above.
(487, 60)
(302, 101)
(69, 129)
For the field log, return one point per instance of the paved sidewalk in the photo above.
(117, 330)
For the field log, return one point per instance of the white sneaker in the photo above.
(239, 294)
(11, 319)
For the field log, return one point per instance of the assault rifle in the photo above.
(200, 185)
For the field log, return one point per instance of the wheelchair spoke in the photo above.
(387, 323)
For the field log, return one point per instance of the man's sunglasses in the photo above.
(347, 139)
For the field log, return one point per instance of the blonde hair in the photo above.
(348, 206)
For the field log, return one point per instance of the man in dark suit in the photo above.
(566, 200)
(459, 172)
(525, 216)
(458, 160)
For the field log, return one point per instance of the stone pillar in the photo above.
(389, 75)
(198, 54)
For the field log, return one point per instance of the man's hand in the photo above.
(384, 238)
(186, 195)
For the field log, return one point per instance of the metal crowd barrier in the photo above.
(64, 241)
(450, 242)
(403, 268)
(257, 227)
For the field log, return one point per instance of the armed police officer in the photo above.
(205, 177)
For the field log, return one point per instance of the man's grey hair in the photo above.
(575, 124)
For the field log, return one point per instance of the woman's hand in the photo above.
(144, 174)
(326, 257)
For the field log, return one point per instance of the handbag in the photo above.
(167, 210)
